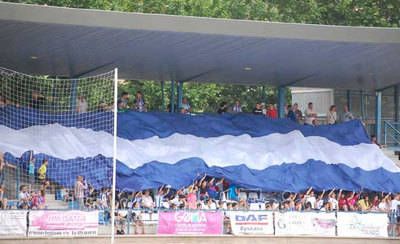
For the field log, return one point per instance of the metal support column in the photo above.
(180, 95)
(362, 105)
(162, 96)
(396, 103)
(378, 115)
(172, 100)
(281, 101)
(348, 96)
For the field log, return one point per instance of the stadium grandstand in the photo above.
(78, 161)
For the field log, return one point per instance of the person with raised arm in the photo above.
(320, 200)
(332, 200)
(342, 201)
(310, 197)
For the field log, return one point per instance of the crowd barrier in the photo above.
(53, 223)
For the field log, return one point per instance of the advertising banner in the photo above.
(252, 222)
(190, 223)
(63, 223)
(362, 225)
(305, 223)
(13, 223)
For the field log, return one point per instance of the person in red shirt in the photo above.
(272, 112)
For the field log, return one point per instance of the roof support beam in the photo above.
(378, 115)
(281, 101)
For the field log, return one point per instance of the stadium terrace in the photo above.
(76, 149)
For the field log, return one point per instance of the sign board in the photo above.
(305, 223)
(190, 223)
(13, 222)
(252, 222)
(63, 223)
(362, 225)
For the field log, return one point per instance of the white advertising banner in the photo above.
(362, 225)
(13, 223)
(63, 223)
(252, 222)
(305, 223)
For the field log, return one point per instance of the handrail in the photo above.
(394, 135)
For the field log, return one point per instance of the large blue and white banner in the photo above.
(249, 151)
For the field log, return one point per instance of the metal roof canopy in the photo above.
(77, 42)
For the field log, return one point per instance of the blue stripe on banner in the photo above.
(96, 170)
(132, 125)
(20, 118)
(286, 177)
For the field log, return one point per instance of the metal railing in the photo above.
(391, 133)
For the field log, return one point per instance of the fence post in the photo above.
(384, 132)
(17, 176)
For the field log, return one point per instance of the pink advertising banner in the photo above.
(190, 223)
(63, 223)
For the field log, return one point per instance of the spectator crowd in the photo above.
(292, 112)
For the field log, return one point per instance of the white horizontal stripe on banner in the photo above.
(254, 152)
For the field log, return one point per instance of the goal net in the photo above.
(55, 132)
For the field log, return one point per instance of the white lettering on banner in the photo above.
(190, 217)
(362, 225)
(13, 222)
(305, 223)
(251, 222)
(63, 223)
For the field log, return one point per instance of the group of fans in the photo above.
(209, 193)
(292, 112)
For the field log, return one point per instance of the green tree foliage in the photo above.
(384, 13)
(206, 97)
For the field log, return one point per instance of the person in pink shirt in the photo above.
(352, 200)
(191, 198)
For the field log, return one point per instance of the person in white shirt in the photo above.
(147, 200)
(331, 116)
(310, 114)
(395, 212)
(310, 197)
(384, 205)
(82, 105)
(395, 203)
(185, 106)
(237, 108)
(332, 200)
(80, 187)
(347, 115)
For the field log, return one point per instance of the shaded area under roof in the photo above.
(76, 42)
